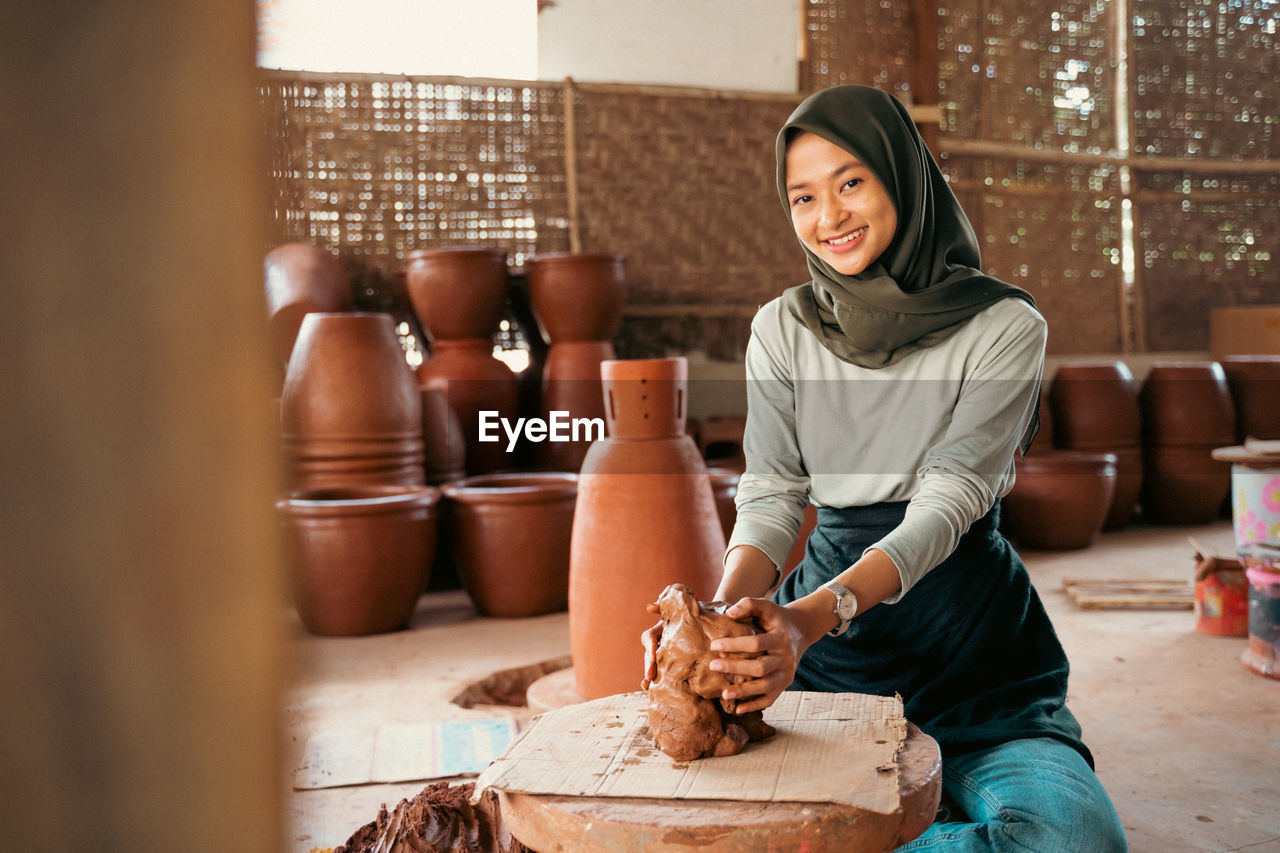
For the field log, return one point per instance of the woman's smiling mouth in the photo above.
(845, 241)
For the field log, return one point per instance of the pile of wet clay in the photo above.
(687, 716)
(440, 819)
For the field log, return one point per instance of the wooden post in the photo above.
(141, 603)
(571, 164)
(924, 64)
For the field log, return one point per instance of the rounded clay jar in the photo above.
(1059, 499)
(578, 296)
(359, 556)
(458, 292)
(509, 539)
(646, 518)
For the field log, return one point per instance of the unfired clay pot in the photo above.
(301, 279)
(458, 292)
(1255, 389)
(1187, 403)
(509, 539)
(359, 556)
(351, 411)
(578, 297)
(473, 381)
(646, 517)
(1059, 500)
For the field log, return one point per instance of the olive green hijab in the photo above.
(928, 280)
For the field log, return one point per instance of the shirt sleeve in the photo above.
(961, 474)
(774, 489)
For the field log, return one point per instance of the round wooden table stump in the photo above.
(564, 824)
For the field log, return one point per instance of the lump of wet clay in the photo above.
(687, 716)
(440, 819)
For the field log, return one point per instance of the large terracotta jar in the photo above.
(1059, 500)
(509, 540)
(1187, 411)
(444, 444)
(301, 279)
(458, 292)
(1094, 407)
(646, 517)
(351, 411)
(578, 300)
(359, 556)
(480, 389)
(1254, 381)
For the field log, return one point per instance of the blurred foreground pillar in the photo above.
(140, 615)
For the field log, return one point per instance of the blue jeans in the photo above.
(1034, 794)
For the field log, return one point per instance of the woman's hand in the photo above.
(773, 655)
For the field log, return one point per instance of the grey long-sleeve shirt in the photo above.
(939, 429)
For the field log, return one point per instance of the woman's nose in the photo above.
(832, 212)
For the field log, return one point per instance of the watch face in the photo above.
(847, 606)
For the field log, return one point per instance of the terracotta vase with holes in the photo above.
(458, 292)
(509, 539)
(1059, 500)
(1254, 381)
(646, 517)
(359, 556)
(350, 411)
(578, 300)
(480, 389)
(301, 279)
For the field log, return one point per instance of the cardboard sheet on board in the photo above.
(830, 748)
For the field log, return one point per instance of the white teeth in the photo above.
(845, 239)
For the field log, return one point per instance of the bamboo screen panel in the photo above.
(857, 41)
(684, 187)
(1054, 230)
(1207, 82)
(376, 166)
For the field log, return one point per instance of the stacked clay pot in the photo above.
(359, 555)
(646, 517)
(459, 295)
(351, 411)
(509, 540)
(1060, 498)
(301, 279)
(1094, 408)
(578, 300)
(1187, 411)
(1254, 381)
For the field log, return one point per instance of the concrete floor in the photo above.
(1187, 739)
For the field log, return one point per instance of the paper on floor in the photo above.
(402, 753)
(830, 747)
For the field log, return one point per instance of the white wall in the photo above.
(719, 44)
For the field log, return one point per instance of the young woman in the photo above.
(893, 391)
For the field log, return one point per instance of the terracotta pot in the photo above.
(724, 485)
(459, 292)
(359, 556)
(1128, 486)
(350, 411)
(1254, 381)
(578, 297)
(509, 535)
(1095, 406)
(473, 381)
(1044, 439)
(807, 526)
(572, 384)
(646, 518)
(301, 279)
(1059, 500)
(721, 439)
(1187, 403)
(530, 380)
(444, 445)
(1183, 485)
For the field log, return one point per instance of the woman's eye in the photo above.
(800, 199)
(852, 182)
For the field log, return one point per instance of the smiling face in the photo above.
(839, 209)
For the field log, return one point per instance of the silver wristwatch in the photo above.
(846, 606)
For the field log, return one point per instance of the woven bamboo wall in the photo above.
(682, 183)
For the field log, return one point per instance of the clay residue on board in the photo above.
(687, 716)
(440, 819)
